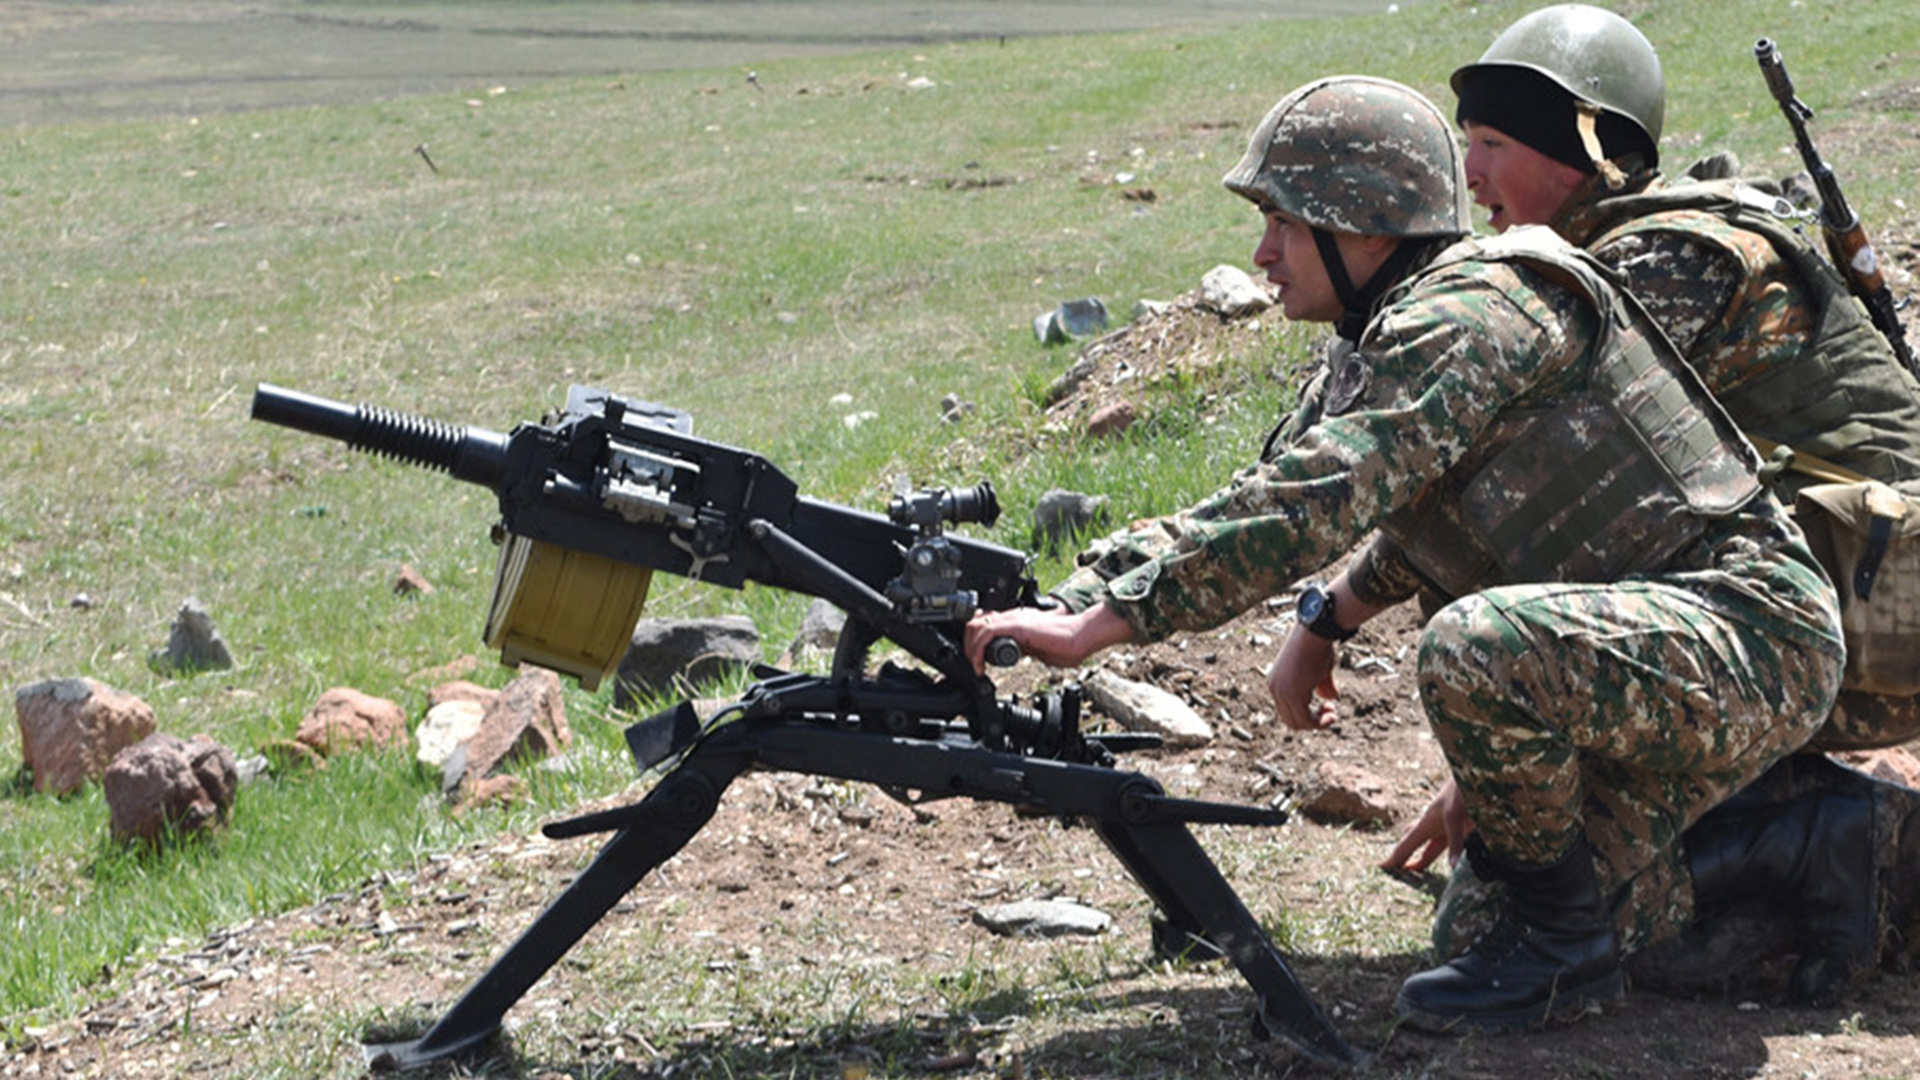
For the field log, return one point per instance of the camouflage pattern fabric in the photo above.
(1468, 908)
(1623, 708)
(1633, 694)
(1657, 902)
(1606, 480)
(1732, 307)
(1752, 324)
(1355, 154)
(1863, 721)
(1741, 313)
(1762, 318)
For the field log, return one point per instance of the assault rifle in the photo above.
(597, 497)
(1847, 242)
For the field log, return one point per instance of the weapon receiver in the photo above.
(595, 498)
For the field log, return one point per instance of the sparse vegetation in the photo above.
(742, 254)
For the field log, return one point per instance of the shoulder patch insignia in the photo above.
(1351, 378)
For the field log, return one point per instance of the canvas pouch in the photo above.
(1867, 536)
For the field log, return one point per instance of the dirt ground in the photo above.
(803, 891)
(796, 878)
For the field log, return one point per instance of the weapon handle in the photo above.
(472, 454)
(1003, 652)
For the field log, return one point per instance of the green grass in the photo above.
(673, 236)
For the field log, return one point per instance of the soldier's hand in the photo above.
(1301, 681)
(1058, 638)
(1443, 825)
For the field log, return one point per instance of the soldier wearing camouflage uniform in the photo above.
(1514, 427)
(1563, 116)
(1761, 315)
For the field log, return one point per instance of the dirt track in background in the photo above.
(63, 60)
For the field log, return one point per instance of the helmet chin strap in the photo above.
(1359, 304)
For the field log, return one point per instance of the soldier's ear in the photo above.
(1380, 246)
(1369, 252)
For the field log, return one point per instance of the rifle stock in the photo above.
(1846, 238)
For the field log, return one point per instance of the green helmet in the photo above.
(1593, 54)
(1359, 155)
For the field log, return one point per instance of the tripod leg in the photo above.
(1163, 856)
(676, 809)
(1177, 873)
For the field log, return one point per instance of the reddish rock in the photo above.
(70, 730)
(1340, 793)
(345, 719)
(1111, 419)
(409, 582)
(168, 786)
(461, 690)
(527, 719)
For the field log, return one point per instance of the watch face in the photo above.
(1312, 602)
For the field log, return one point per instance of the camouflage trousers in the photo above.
(1623, 711)
(1468, 906)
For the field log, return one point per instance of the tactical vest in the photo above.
(1846, 398)
(1611, 480)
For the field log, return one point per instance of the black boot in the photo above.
(1812, 860)
(1815, 860)
(1896, 853)
(1553, 952)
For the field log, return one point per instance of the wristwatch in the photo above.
(1316, 614)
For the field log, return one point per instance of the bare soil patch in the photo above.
(802, 883)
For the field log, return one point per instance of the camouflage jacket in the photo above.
(1761, 315)
(1456, 351)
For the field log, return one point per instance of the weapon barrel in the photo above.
(1836, 215)
(475, 455)
(1847, 240)
(1767, 54)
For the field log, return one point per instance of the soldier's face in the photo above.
(1292, 262)
(1516, 183)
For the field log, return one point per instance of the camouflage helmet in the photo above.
(1361, 155)
(1593, 54)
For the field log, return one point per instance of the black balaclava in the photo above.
(1529, 106)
